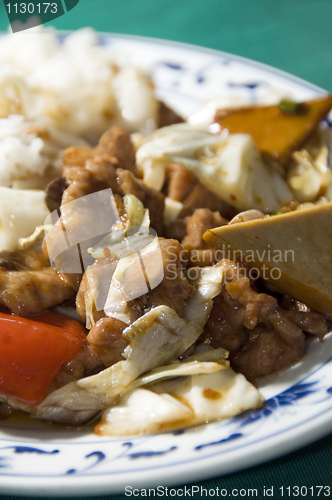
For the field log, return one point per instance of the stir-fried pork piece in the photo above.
(53, 193)
(28, 285)
(22, 261)
(174, 290)
(261, 336)
(97, 174)
(225, 324)
(104, 167)
(312, 323)
(271, 347)
(260, 307)
(266, 352)
(179, 182)
(89, 170)
(183, 186)
(199, 222)
(84, 363)
(309, 322)
(167, 116)
(151, 198)
(106, 340)
(114, 144)
(75, 157)
(105, 336)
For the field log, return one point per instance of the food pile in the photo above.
(152, 271)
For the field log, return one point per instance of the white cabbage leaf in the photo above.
(172, 210)
(310, 177)
(130, 280)
(35, 238)
(230, 166)
(155, 339)
(21, 211)
(179, 369)
(180, 402)
(207, 282)
(143, 412)
(107, 283)
(138, 220)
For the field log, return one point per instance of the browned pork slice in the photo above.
(151, 198)
(261, 337)
(105, 336)
(167, 116)
(87, 170)
(111, 164)
(83, 364)
(97, 169)
(106, 340)
(97, 174)
(28, 285)
(174, 290)
(114, 144)
(183, 186)
(274, 341)
(225, 324)
(75, 156)
(200, 254)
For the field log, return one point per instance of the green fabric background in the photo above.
(293, 35)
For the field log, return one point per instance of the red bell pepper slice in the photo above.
(32, 351)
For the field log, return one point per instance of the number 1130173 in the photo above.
(32, 8)
(304, 491)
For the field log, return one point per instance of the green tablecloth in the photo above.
(293, 35)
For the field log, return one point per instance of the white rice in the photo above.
(75, 84)
(26, 158)
(54, 95)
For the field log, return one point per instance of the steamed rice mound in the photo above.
(52, 78)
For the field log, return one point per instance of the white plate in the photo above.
(298, 410)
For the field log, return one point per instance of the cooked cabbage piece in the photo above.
(230, 166)
(21, 211)
(156, 338)
(180, 402)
